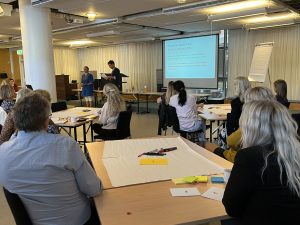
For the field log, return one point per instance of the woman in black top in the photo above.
(241, 84)
(280, 89)
(264, 185)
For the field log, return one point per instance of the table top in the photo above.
(152, 202)
(65, 118)
(214, 111)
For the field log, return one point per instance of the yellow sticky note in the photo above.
(190, 179)
(178, 181)
(153, 161)
(202, 179)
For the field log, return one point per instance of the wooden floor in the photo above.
(142, 125)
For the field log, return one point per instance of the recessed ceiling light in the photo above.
(91, 16)
(181, 1)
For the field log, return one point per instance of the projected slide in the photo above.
(193, 60)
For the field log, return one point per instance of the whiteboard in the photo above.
(260, 62)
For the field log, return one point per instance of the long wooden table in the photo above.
(152, 203)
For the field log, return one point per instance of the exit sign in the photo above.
(20, 52)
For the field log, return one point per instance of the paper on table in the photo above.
(182, 192)
(214, 193)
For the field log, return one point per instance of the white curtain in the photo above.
(139, 61)
(66, 62)
(284, 62)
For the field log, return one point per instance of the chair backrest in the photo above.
(29, 86)
(296, 117)
(171, 118)
(3, 116)
(17, 208)
(123, 126)
(58, 106)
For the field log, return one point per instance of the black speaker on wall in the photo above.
(159, 80)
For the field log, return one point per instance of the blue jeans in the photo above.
(199, 125)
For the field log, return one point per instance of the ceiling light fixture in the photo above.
(236, 15)
(91, 16)
(103, 33)
(79, 43)
(268, 25)
(271, 17)
(181, 1)
(139, 39)
(237, 6)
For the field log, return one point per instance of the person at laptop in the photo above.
(48, 172)
(115, 76)
(87, 83)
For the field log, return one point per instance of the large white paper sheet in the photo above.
(121, 161)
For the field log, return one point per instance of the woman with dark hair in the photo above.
(186, 109)
(280, 89)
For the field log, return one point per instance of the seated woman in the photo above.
(241, 84)
(52, 128)
(109, 113)
(7, 94)
(163, 102)
(234, 140)
(186, 109)
(9, 125)
(264, 185)
(280, 89)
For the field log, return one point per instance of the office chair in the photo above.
(58, 106)
(296, 117)
(29, 86)
(17, 208)
(123, 127)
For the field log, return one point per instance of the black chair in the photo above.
(123, 127)
(17, 208)
(173, 121)
(296, 117)
(29, 86)
(58, 106)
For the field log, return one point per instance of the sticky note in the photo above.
(217, 179)
(184, 192)
(190, 179)
(153, 161)
(214, 193)
(202, 179)
(178, 181)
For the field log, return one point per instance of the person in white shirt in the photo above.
(109, 113)
(49, 172)
(186, 109)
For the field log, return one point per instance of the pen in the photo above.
(167, 149)
(152, 153)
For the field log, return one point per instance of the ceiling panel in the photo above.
(110, 8)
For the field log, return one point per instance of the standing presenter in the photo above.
(115, 76)
(87, 83)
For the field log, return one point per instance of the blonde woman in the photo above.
(234, 139)
(241, 84)
(264, 185)
(9, 125)
(163, 102)
(109, 113)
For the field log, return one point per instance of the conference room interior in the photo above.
(47, 43)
